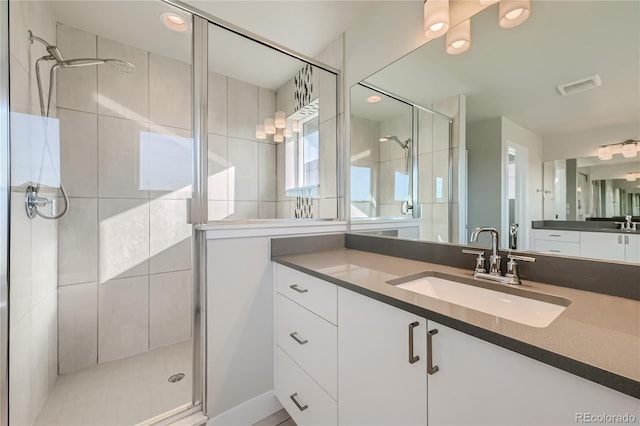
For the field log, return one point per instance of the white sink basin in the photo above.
(532, 309)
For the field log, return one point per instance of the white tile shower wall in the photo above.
(365, 152)
(392, 162)
(33, 325)
(118, 231)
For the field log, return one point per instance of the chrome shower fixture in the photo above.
(32, 200)
(403, 145)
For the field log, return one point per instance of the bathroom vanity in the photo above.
(354, 347)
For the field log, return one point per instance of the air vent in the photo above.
(579, 85)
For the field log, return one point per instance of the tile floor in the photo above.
(279, 418)
(123, 392)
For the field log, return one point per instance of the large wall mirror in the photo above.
(544, 136)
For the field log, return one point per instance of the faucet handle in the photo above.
(480, 268)
(522, 258)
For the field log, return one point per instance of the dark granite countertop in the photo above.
(597, 337)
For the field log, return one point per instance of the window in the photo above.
(360, 184)
(302, 153)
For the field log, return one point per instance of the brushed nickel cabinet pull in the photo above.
(555, 235)
(295, 337)
(626, 239)
(298, 289)
(412, 358)
(294, 398)
(619, 239)
(431, 369)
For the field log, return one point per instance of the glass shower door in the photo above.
(101, 291)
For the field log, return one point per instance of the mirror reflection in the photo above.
(547, 125)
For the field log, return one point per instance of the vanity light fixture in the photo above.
(604, 153)
(628, 149)
(459, 38)
(374, 99)
(632, 176)
(260, 133)
(175, 22)
(514, 12)
(436, 18)
(278, 127)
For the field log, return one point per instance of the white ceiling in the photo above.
(304, 26)
(514, 72)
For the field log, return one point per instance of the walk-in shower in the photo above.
(33, 201)
(406, 146)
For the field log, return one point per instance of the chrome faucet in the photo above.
(511, 276)
(494, 259)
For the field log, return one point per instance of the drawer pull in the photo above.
(431, 369)
(555, 235)
(619, 239)
(295, 337)
(301, 407)
(412, 358)
(555, 251)
(626, 239)
(298, 289)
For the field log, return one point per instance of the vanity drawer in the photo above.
(316, 347)
(292, 383)
(558, 247)
(320, 297)
(556, 235)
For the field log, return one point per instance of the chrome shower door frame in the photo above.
(5, 208)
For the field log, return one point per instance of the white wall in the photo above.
(33, 346)
(586, 143)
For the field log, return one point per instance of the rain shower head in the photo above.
(403, 145)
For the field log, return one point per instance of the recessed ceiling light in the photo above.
(374, 99)
(175, 22)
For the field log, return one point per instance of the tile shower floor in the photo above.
(122, 392)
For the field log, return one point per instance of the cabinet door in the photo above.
(479, 383)
(377, 384)
(602, 245)
(632, 248)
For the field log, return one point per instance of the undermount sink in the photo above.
(515, 304)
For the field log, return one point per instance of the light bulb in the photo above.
(281, 120)
(629, 150)
(604, 153)
(278, 136)
(514, 12)
(436, 18)
(459, 38)
(269, 126)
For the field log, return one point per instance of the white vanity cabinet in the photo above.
(566, 243)
(480, 383)
(610, 246)
(345, 358)
(381, 379)
(306, 347)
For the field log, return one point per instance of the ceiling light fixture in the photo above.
(374, 99)
(514, 12)
(436, 18)
(175, 22)
(459, 38)
(631, 177)
(604, 153)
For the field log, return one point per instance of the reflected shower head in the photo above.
(116, 64)
(403, 145)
